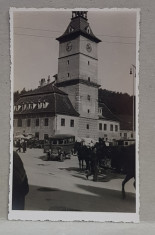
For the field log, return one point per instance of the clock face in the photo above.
(88, 47)
(68, 46)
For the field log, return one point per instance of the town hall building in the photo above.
(70, 104)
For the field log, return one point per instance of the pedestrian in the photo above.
(81, 155)
(18, 146)
(20, 183)
(24, 146)
(93, 165)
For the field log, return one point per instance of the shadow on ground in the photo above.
(88, 198)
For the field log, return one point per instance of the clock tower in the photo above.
(77, 71)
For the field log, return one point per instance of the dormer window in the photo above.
(17, 107)
(31, 105)
(23, 107)
(88, 30)
(45, 104)
(39, 105)
(71, 29)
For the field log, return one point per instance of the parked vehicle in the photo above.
(59, 147)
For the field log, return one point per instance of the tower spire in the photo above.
(78, 25)
(82, 14)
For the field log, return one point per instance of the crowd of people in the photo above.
(21, 145)
(93, 155)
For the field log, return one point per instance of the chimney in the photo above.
(48, 80)
(55, 77)
(42, 82)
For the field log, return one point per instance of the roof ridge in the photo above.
(46, 89)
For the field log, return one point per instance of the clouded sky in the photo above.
(36, 50)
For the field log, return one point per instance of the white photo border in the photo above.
(74, 216)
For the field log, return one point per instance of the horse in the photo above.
(129, 167)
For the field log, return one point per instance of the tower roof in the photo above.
(78, 26)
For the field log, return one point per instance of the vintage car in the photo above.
(59, 147)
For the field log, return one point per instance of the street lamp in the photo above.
(133, 72)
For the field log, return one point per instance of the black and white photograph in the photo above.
(74, 115)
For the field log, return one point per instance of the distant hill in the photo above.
(118, 103)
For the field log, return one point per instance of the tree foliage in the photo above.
(118, 103)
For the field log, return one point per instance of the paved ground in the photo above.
(60, 186)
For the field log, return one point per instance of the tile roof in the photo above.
(49, 88)
(57, 102)
(106, 113)
(79, 26)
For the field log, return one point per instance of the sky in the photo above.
(36, 50)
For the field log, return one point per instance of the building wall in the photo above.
(42, 129)
(127, 134)
(67, 129)
(108, 134)
(68, 68)
(75, 47)
(92, 132)
(85, 104)
(73, 94)
(83, 44)
(88, 68)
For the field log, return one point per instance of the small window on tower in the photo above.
(72, 123)
(87, 126)
(88, 62)
(88, 111)
(68, 75)
(89, 79)
(88, 97)
(67, 61)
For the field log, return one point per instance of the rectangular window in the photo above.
(88, 111)
(37, 122)
(67, 61)
(87, 126)
(125, 135)
(62, 122)
(46, 122)
(45, 136)
(68, 75)
(19, 123)
(116, 128)
(111, 127)
(28, 122)
(100, 126)
(131, 135)
(88, 62)
(72, 123)
(88, 79)
(37, 135)
(105, 127)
